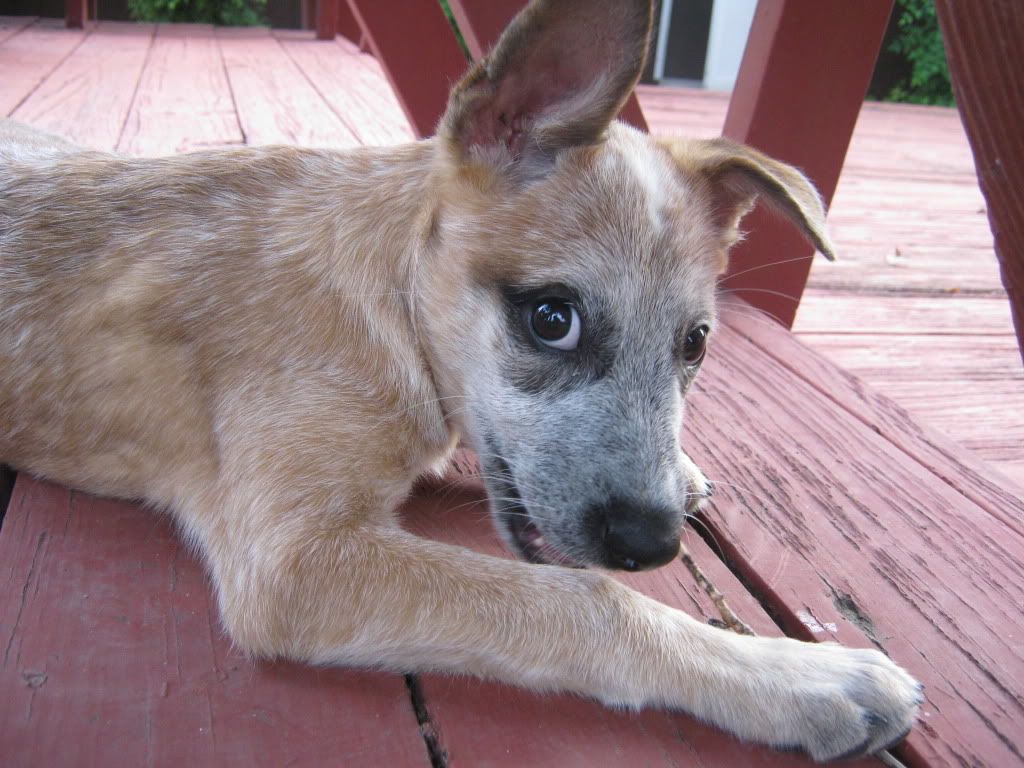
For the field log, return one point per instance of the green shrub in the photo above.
(232, 13)
(917, 41)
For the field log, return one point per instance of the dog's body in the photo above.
(274, 343)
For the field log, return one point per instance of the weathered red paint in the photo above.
(111, 654)
(804, 74)
(985, 49)
(327, 19)
(419, 53)
(76, 13)
(348, 26)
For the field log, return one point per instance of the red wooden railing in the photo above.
(803, 78)
(985, 49)
(76, 13)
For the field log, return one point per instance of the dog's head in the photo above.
(567, 288)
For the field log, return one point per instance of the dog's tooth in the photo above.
(538, 542)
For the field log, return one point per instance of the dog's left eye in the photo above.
(695, 345)
(555, 323)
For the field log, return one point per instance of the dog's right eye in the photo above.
(555, 323)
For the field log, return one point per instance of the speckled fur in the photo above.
(274, 343)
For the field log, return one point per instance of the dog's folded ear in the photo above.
(737, 176)
(556, 78)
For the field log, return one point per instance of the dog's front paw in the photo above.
(848, 702)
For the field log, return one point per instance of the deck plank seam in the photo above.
(773, 605)
(6, 488)
(138, 84)
(316, 89)
(976, 499)
(57, 65)
(428, 730)
(231, 89)
(25, 24)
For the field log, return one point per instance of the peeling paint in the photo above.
(814, 625)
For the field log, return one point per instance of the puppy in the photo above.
(275, 343)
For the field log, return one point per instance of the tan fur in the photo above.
(274, 343)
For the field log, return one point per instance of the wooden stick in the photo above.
(731, 620)
(736, 624)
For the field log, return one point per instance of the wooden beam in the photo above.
(76, 13)
(326, 19)
(803, 78)
(419, 53)
(985, 50)
(481, 23)
(348, 26)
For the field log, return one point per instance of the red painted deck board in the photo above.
(86, 99)
(12, 25)
(276, 104)
(183, 101)
(112, 656)
(26, 58)
(968, 475)
(828, 508)
(353, 86)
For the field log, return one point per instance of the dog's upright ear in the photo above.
(736, 177)
(556, 78)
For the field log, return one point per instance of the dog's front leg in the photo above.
(380, 596)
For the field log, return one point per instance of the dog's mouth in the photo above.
(532, 546)
(526, 538)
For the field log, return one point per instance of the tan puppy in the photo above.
(274, 343)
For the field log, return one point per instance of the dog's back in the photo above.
(22, 143)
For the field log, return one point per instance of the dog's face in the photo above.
(573, 265)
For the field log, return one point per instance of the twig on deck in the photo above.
(736, 624)
(887, 757)
(731, 620)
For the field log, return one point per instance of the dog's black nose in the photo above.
(636, 537)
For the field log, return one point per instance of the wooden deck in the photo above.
(839, 516)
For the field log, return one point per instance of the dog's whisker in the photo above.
(753, 313)
(397, 415)
(732, 275)
(696, 522)
(780, 294)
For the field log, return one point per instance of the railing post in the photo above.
(347, 25)
(985, 49)
(417, 49)
(805, 70)
(76, 13)
(327, 19)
